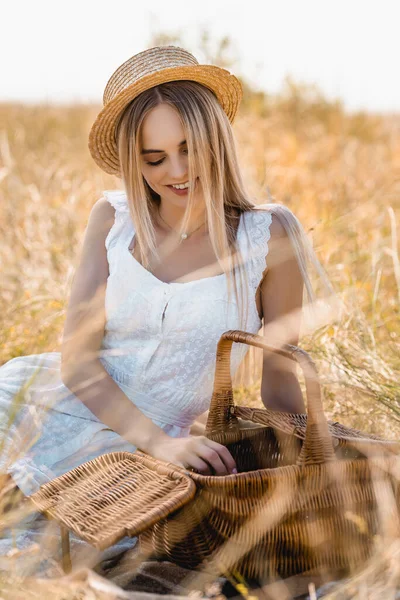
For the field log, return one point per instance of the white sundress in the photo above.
(159, 346)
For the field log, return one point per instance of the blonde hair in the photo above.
(212, 158)
(210, 140)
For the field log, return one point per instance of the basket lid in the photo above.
(115, 495)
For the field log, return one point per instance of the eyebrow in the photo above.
(150, 151)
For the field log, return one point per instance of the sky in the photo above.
(65, 51)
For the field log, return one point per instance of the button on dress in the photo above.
(159, 346)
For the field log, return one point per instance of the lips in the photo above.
(183, 192)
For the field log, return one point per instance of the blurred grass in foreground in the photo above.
(339, 173)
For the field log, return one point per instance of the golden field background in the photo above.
(338, 172)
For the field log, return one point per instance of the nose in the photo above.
(178, 167)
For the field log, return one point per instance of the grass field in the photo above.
(339, 173)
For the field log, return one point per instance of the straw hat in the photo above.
(143, 71)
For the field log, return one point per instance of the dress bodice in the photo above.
(159, 347)
(161, 338)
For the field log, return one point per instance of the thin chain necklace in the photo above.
(184, 236)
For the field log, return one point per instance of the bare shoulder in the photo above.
(93, 259)
(101, 216)
(276, 228)
(282, 284)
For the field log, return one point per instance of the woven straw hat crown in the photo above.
(147, 69)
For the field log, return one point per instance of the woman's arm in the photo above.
(281, 297)
(81, 370)
(83, 373)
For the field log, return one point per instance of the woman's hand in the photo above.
(195, 452)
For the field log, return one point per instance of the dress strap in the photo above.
(255, 242)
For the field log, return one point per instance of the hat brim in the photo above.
(102, 145)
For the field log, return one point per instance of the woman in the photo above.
(168, 264)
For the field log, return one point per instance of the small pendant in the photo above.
(184, 236)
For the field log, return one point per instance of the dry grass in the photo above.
(339, 173)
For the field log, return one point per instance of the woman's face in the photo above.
(164, 154)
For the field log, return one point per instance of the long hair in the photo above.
(212, 157)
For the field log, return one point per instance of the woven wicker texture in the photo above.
(113, 496)
(299, 502)
(147, 69)
(281, 521)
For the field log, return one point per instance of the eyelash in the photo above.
(158, 162)
(154, 164)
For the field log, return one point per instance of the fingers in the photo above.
(225, 456)
(205, 456)
(216, 456)
(195, 463)
(206, 464)
(213, 459)
(199, 465)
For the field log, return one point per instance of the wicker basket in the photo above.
(307, 496)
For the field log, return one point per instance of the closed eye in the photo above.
(158, 162)
(154, 164)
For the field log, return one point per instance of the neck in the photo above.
(172, 216)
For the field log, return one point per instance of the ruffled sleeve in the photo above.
(258, 223)
(117, 199)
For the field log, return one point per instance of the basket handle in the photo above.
(317, 447)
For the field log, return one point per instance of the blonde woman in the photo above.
(171, 261)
